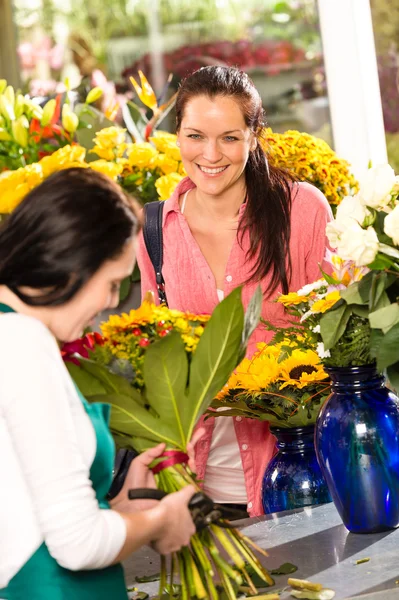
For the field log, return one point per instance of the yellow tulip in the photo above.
(20, 133)
(70, 121)
(4, 135)
(19, 105)
(94, 95)
(145, 92)
(3, 85)
(48, 112)
(6, 109)
(9, 94)
(166, 185)
(142, 155)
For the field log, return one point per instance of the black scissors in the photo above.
(204, 510)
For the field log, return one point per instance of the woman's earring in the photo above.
(178, 143)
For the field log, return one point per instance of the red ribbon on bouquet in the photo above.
(170, 458)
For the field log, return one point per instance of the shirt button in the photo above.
(238, 419)
(244, 446)
(249, 505)
(229, 278)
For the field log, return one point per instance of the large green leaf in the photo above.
(333, 324)
(88, 384)
(165, 376)
(393, 376)
(378, 297)
(387, 353)
(352, 295)
(215, 358)
(251, 319)
(131, 419)
(110, 382)
(385, 318)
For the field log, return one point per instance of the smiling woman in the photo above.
(235, 220)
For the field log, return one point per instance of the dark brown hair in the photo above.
(61, 234)
(268, 209)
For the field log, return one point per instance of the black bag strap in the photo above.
(152, 231)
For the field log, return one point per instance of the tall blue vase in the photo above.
(293, 478)
(357, 445)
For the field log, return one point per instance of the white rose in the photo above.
(351, 207)
(335, 229)
(391, 225)
(359, 245)
(377, 185)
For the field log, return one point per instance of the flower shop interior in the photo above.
(95, 85)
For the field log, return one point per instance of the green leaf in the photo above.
(380, 263)
(393, 376)
(333, 324)
(385, 318)
(135, 120)
(331, 280)
(284, 569)
(148, 578)
(130, 419)
(88, 384)
(376, 337)
(378, 297)
(360, 311)
(110, 382)
(165, 375)
(216, 356)
(124, 289)
(251, 319)
(352, 294)
(387, 353)
(95, 121)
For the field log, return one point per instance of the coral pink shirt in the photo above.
(190, 286)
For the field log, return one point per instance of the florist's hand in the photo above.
(178, 524)
(138, 476)
(191, 448)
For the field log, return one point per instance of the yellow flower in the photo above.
(300, 369)
(145, 92)
(111, 169)
(258, 372)
(70, 120)
(142, 155)
(166, 185)
(291, 298)
(104, 153)
(68, 156)
(166, 142)
(321, 306)
(14, 185)
(166, 164)
(110, 143)
(20, 132)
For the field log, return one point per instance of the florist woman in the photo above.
(234, 220)
(63, 253)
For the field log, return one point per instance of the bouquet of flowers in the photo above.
(282, 384)
(311, 159)
(181, 362)
(366, 231)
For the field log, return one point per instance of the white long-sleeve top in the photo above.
(47, 445)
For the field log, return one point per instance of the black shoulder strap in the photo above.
(152, 231)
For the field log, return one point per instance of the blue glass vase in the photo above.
(357, 445)
(293, 478)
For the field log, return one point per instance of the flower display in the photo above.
(28, 131)
(280, 383)
(366, 231)
(271, 55)
(311, 159)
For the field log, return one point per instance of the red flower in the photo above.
(136, 331)
(144, 342)
(81, 347)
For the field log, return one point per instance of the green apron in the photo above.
(42, 578)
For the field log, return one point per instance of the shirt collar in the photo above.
(172, 204)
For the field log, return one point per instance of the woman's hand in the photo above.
(178, 525)
(139, 475)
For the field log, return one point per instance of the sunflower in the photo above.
(324, 304)
(258, 372)
(291, 298)
(300, 369)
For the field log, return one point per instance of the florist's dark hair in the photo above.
(61, 234)
(267, 214)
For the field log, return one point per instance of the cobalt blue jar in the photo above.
(357, 445)
(293, 478)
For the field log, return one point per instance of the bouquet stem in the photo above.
(198, 563)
